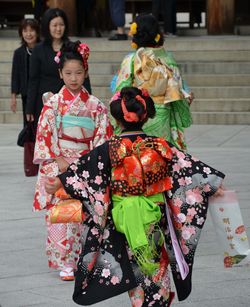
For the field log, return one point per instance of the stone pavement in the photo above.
(25, 279)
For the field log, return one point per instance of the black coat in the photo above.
(44, 77)
(19, 74)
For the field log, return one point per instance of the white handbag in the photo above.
(230, 229)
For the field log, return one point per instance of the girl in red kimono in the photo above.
(71, 123)
(145, 203)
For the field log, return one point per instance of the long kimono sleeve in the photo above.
(193, 183)
(88, 178)
(47, 146)
(125, 75)
(103, 128)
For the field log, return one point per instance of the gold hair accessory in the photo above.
(133, 28)
(157, 38)
(134, 45)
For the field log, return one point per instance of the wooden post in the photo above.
(69, 8)
(220, 16)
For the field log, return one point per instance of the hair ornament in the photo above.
(128, 116)
(116, 96)
(83, 49)
(157, 38)
(57, 57)
(134, 45)
(144, 92)
(133, 29)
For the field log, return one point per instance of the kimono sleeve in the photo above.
(88, 178)
(103, 128)
(125, 75)
(47, 146)
(193, 183)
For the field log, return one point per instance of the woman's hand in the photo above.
(62, 164)
(30, 117)
(52, 184)
(13, 103)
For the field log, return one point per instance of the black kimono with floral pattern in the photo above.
(106, 266)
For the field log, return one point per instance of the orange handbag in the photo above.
(66, 210)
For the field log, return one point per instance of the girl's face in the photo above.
(57, 27)
(29, 36)
(73, 75)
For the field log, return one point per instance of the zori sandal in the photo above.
(67, 274)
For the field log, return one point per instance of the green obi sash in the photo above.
(74, 121)
(137, 217)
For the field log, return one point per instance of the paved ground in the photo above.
(25, 279)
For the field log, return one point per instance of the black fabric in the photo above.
(44, 77)
(27, 134)
(19, 75)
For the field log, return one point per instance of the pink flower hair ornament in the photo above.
(116, 96)
(83, 50)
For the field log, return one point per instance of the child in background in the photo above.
(153, 68)
(145, 203)
(71, 123)
(29, 34)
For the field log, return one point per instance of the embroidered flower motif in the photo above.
(105, 234)
(206, 170)
(181, 217)
(106, 273)
(85, 174)
(193, 196)
(178, 202)
(115, 280)
(100, 165)
(156, 296)
(200, 221)
(191, 211)
(94, 231)
(207, 188)
(98, 179)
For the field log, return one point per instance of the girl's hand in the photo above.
(30, 117)
(220, 191)
(52, 184)
(191, 98)
(62, 164)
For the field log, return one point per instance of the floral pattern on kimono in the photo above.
(54, 139)
(155, 69)
(106, 266)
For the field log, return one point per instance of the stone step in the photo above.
(204, 92)
(180, 56)
(202, 118)
(227, 42)
(186, 68)
(221, 105)
(192, 80)
(221, 118)
(201, 92)
(198, 105)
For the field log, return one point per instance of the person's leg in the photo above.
(117, 12)
(170, 16)
(156, 5)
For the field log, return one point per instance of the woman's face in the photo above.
(57, 28)
(29, 36)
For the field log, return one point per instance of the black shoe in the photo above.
(118, 37)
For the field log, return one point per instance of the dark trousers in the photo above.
(117, 12)
(166, 8)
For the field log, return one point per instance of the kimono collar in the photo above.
(67, 95)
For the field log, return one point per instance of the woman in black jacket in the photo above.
(29, 34)
(44, 74)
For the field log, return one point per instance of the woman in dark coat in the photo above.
(44, 75)
(29, 34)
